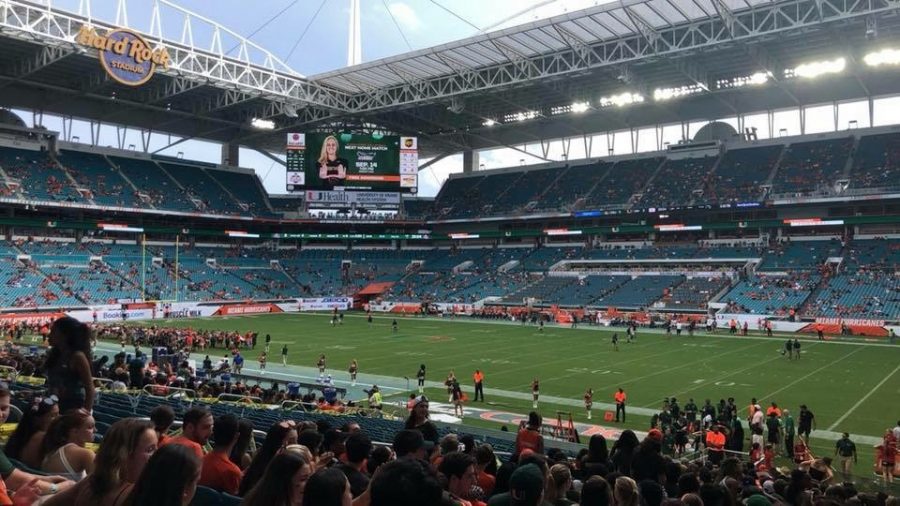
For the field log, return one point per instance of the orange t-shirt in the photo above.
(529, 439)
(620, 397)
(487, 483)
(181, 440)
(715, 441)
(478, 376)
(220, 473)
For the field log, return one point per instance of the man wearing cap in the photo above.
(526, 488)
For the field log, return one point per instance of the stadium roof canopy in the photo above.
(522, 78)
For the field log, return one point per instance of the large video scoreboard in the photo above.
(343, 162)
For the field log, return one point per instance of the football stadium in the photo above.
(446, 252)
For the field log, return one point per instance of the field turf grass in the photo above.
(849, 386)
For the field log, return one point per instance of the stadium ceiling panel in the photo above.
(218, 80)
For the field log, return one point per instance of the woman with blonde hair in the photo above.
(331, 167)
(625, 492)
(559, 481)
(126, 448)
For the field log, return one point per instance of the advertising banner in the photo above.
(326, 304)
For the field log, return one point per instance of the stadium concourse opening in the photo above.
(665, 268)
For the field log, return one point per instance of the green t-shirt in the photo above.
(789, 425)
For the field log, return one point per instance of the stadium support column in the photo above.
(231, 154)
(470, 161)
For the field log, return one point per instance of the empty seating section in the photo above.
(814, 165)
(94, 172)
(445, 260)
(200, 185)
(639, 292)
(245, 188)
(417, 209)
(876, 163)
(587, 289)
(526, 191)
(695, 293)
(771, 294)
(728, 251)
(624, 180)
(573, 184)
(739, 175)
(676, 182)
(286, 205)
(39, 176)
(151, 181)
(799, 255)
(871, 254)
(455, 192)
(869, 294)
(542, 259)
(543, 289)
(481, 199)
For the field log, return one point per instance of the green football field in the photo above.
(849, 385)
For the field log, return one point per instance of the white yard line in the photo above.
(859, 402)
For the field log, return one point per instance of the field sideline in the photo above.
(850, 386)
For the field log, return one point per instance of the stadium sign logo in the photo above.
(126, 56)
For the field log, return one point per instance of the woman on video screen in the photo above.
(331, 168)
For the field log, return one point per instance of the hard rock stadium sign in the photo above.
(125, 55)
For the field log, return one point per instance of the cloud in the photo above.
(405, 16)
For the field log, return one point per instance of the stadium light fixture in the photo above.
(262, 124)
(883, 57)
(663, 94)
(489, 122)
(756, 79)
(520, 116)
(815, 69)
(621, 100)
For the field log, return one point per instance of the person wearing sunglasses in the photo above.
(24, 444)
(16, 479)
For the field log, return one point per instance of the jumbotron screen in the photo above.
(351, 162)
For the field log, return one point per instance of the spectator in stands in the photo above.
(63, 450)
(69, 364)
(623, 452)
(15, 479)
(218, 472)
(283, 483)
(625, 492)
(170, 477)
(596, 492)
(240, 454)
(327, 487)
(596, 462)
(530, 436)
(280, 435)
(357, 449)
(162, 417)
(460, 476)
(486, 464)
(558, 485)
(197, 426)
(409, 443)
(126, 448)
(526, 488)
(406, 482)
(25, 442)
(418, 420)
